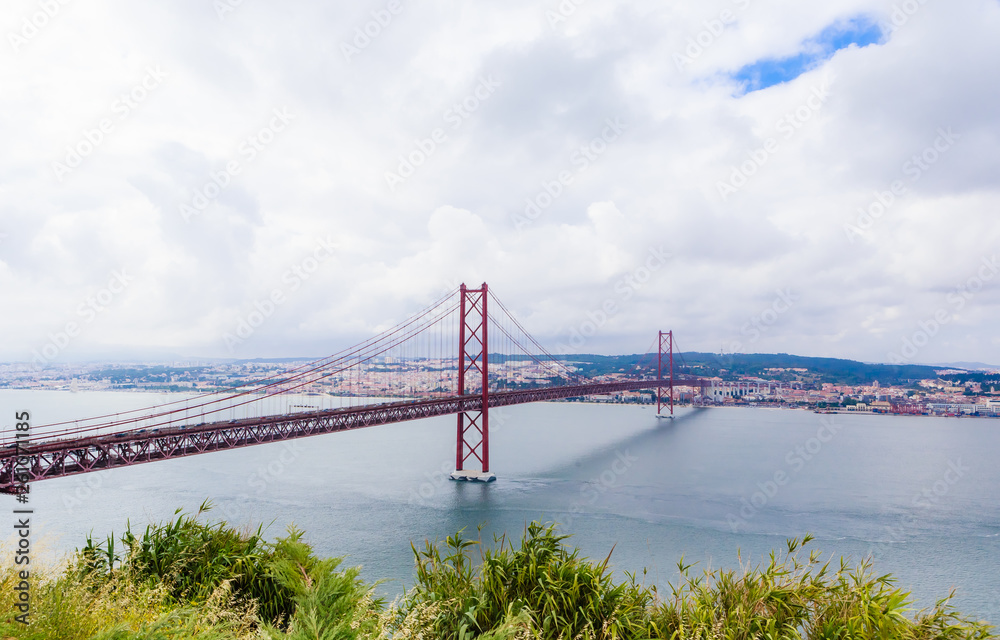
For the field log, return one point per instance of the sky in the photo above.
(757, 176)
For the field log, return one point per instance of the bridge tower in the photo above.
(473, 436)
(666, 338)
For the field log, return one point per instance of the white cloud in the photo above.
(655, 186)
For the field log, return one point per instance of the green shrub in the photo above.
(185, 579)
(329, 605)
(73, 605)
(192, 559)
(802, 599)
(564, 595)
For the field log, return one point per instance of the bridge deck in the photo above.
(66, 457)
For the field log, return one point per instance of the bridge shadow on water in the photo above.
(643, 445)
(632, 461)
(621, 478)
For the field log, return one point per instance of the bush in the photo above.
(329, 605)
(562, 594)
(186, 579)
(802, 599)
(74, 606)
(192, 559)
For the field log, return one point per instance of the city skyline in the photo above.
(757, 177)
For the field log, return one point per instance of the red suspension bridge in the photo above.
(407, 372)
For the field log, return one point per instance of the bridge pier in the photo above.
(668, 339)
(471, 475)
(473, 435)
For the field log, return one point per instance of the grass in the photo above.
(794, 598)
(186, 578)
(564, 595)
(192, 559)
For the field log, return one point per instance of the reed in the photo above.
(191, 559)
(805, 599)
(186, 578)
(563, 594)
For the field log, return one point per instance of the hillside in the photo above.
(731, 366)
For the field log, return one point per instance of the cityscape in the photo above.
(519, 320)
(950, 393)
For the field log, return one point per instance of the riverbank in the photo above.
(660, 488)
(191, 577)
(782, 406)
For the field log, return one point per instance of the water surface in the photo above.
(916, 493)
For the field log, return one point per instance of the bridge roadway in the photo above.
(66, 457)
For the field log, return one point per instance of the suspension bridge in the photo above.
(464, 354)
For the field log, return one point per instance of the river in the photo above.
(916, 493)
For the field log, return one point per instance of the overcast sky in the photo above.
(759, 176)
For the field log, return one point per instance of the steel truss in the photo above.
(60, 458)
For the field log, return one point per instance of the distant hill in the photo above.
(968, 366)
(757, 364)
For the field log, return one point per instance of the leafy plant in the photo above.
(563, 594)
(329, 604)
(187, 579)
(802, 599)
(192, 559)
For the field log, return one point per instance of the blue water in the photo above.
(916, 493)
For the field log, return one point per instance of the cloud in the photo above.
(654, 185)
(859, 31)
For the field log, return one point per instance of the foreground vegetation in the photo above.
(190, 579)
